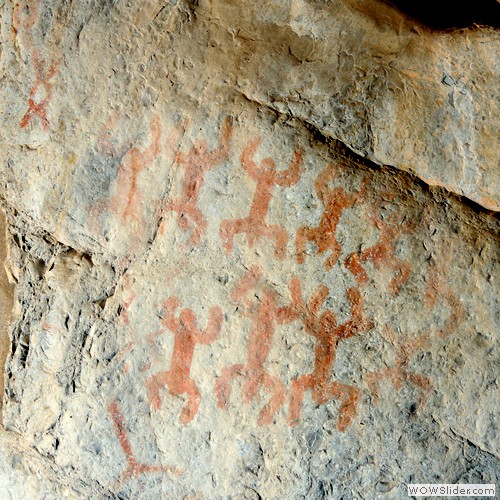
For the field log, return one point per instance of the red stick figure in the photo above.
(265, 314)
(399, 372)
(126, 201)
(328, 334)
(196, 163)
(382, 254)
(255, 225)
(335, 201)
(41, 92)
(187, 335)
(134, 467)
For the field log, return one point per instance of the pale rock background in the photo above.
(126, 129)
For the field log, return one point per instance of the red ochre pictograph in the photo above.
(437, 287)
(265, 314)
(134, 468)
(196, 164)
(335, 201)
(186, 336)
(41, 92)
(106, 146)
(327, 334)
(382, 254)
(126, 203)
(399, 374)
(254, 226)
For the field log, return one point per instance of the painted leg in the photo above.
(304, 234)
(251, 385)
(403, 269)
(280, 237)
(228, 228)
(223, 385)
(334, 256)
(353, 263)
(191, 408)
(299, 386)
(276, 388)
(348, 397)
(153, 386)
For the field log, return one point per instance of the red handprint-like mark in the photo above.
(187, 335)
(255, 226)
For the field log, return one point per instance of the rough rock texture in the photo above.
(229, 271)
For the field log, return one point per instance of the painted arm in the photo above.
(222, 152)
(212, 331)
(322, 181)
(357, 323)
(290, 176)
(169, 320)
(246, 160)
(248, 281)
(154, 149)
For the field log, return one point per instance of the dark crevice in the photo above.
(450, 14)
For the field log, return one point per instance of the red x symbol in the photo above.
(39, 108)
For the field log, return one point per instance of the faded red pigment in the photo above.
(327, 334)
(264, 313)
(37, 107)
(335, 201)
(196, 164)
(127, 198)
(266, 177)
(399, 374)
(186, 336)
(134, 468)
(437, 287)
(382, 255)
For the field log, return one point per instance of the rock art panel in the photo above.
(215, 293)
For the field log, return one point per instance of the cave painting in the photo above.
(399, 374)
(134, 468)
(383, 253)
(265, 314)
(254, 226)
(335, 201)
(41, 92)
(196, 164)
(186, 336)
(327, 334)
(437, 287)
(126, 202)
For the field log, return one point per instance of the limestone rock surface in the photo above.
(251, 250)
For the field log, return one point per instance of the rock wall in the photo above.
(254, 250)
